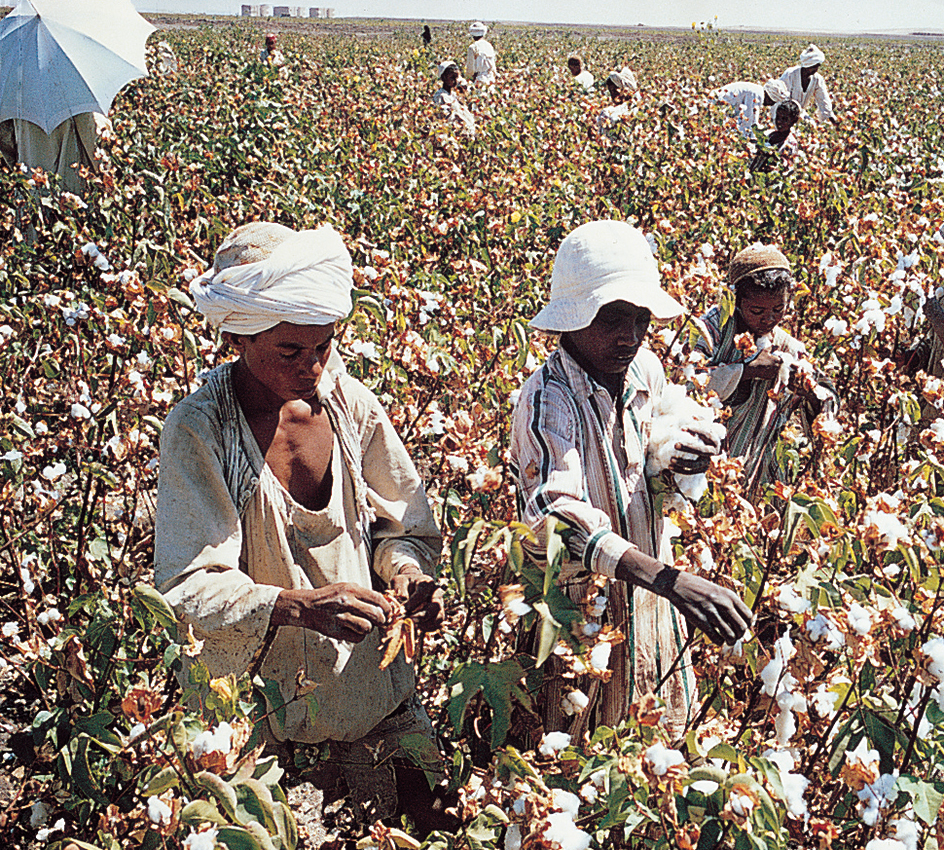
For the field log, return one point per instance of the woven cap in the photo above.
(250, 243)
(756, 258)
(598, 263)
(477, 29)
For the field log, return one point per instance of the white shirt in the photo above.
(585, 79)
(454, 111)
(746, 99)
(480, 64)
(816, 90)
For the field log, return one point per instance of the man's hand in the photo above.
(764, 367)
(717, 611)
(342, 611)
(422, 597)
(703, 443)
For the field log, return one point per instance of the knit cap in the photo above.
(755, 258)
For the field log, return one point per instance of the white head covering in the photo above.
(478, 29)
(624, 79)
(445, 66)
(777, 90)
(597, 263)
(811, 56)
(264, 274)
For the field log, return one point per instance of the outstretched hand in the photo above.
(423, 598)
(717, 611)
(702, 443)
(342, 610)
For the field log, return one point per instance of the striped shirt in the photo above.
(579, 455)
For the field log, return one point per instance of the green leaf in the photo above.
(220, 789)
(273, 696)
(548, 632)
(499, 684)
(85, 784)
(156, 604)
(237, 838)
(197, 812)
(424, 754)
(926, 797)
(161, 781)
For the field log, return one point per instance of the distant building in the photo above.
(320, 12)
(280, 11)
(250, 11)
(265, 11)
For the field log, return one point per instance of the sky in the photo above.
(794, 15)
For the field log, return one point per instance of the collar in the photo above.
(563, 366)
(333, 370)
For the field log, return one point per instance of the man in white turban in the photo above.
(805, 84)
(746, 100)
(446, 98)
(621, 85)
(480, 66)
(285, 498)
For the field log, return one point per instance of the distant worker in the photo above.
(622, 86)
(806, 84)
(781, 139)
(270, 54)
(581, 76)
(746, 100)
(426, 35)
(64, 151)
(447, 99)
(165, 60)
(480, 64)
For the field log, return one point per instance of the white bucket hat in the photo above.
(596, 264)
(445, 66)
(478, 29)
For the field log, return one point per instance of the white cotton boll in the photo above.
(600, 656)
(598, 606)
(707, 250)
(565, 801)
(894, 306)
(794, 787)
(51, 615)
(552, 743)
(773, 671)
(837, 327)
(860, 621)
(367, 350)
(218, 741)
(158, 810)
(590, 629)
(822, 627)
(577, 700)
(824, 701)
(934, 649)
(513, 837)
(661, 758)
(903, 619)
(705, 786)
(80, 411)
(54, 471)
(562, 832)
(205, 840)
(790, 600)
(741, 804)
(785, 726)
(782, 758)
(885, 844)
(692, 486)
(906, 832)
(864, 753)
(589, 792)
(90, 249)
(890, 529)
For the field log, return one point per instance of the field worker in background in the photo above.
(284, 497)
(765, 385)
(581, 76)
(746, 100)
(64, 151)
(805, 84)
(622, 86)
(781, 139)
(426, 35)
(165, 60)
(480, 64)
(579, 441)
(270, 54)
(447, 99)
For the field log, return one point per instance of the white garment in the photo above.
(816, 90)
(455, 112)
(610, 118)
(585, 79)
(480, 64)
(746, 99)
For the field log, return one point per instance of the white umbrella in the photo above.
(60, 58)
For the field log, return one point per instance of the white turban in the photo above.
(623, 80)
(811, 56)
(306, 279)
(478, 29)
(776, 90)
(445, 66)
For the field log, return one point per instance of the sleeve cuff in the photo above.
(603, 552)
